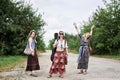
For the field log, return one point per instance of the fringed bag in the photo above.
(27, 50)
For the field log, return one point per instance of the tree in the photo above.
(106, 38)
(16, 21)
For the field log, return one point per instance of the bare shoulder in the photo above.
(30, 39)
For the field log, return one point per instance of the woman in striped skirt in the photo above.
(83, 57)
(32, 60)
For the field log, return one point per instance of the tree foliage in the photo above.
(16, 21)
(51, 42)
(73, 41)
(106, 37)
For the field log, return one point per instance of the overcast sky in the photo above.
(60, 14)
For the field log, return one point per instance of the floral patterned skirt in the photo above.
(58, 64)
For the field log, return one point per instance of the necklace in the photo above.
(61, 41)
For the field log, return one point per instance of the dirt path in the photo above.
(99, 69)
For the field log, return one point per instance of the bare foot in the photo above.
(85, 72)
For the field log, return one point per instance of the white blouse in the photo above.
(61, 44)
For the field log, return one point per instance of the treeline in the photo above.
(16, 21)
(106, 35)
(73, 42)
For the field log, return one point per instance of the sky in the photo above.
(60, 14)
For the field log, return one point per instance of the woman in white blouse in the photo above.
(58, 64)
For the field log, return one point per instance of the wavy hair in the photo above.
(31, 33)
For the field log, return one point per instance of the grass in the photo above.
(40, 51)
(73, 51)
(116, 57)
(9, 62)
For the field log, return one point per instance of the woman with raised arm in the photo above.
(58, 63)
(83, 57)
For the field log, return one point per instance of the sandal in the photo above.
(49, 76)
(85, 73)
(33, 75)
(61, 76)
(80, 72)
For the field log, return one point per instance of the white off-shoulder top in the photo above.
(61, 44)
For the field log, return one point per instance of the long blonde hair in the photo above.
(87, 34)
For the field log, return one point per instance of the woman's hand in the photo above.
(75, 25)
(54, 45)
(32, 52)
(66, 55)
(93, 26)
(35, 41)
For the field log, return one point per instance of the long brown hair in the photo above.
(31, 33)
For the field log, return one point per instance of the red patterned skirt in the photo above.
(58, 64)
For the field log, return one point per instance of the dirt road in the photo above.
(99, 69)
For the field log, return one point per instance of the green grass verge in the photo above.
(116, 57)
(9, 62)
(73, 51)
(39, 51)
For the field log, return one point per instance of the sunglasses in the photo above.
(61, 33)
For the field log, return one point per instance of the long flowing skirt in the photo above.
(32, 62)
(58, 64)
(83, 57)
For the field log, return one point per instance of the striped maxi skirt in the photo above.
(83, 57)
(32, 62)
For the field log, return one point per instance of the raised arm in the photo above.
(75, 25)
(91, 31)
